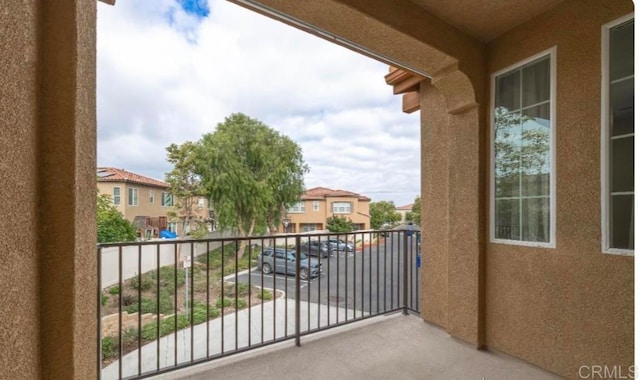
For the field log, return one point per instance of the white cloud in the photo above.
(165, 77)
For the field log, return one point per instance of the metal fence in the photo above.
(172, 304)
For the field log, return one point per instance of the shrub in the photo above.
(230, 290)
(150, 305)
(104, 299)
(109, 346)
(265, 295)
(130, 335)
(114, 290)
(144, 282)
(220, 303)
(241, 304)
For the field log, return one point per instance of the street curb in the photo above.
(230, 276)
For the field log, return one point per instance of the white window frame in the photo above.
(162, 202)
(130, 199)
(316, 205)
(119, 195)
(333, 207)
(605, 139)
(552, 147)
(297, 208)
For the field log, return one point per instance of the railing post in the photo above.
(99, 324)
(297, 291)
(405, 280)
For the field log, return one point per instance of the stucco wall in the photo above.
(573, 305)
(18, 142)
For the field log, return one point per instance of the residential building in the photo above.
(557, 290)
(320, 203)
(147, 202)
(403, 210)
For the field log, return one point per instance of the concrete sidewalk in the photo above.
(279, 318)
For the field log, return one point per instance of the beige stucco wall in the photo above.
(573, 305)
(48, 277)
(18, 174)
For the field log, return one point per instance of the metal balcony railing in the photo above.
(165, 305)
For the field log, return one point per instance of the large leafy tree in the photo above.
(383, 212)
(184, 184)
(414, 214)
(251, 173)
(112, 226)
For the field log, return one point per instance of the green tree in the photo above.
(112, 226)
(251, 174)
(185, 186)
(414, 214)
(339, 224)
(383, 212)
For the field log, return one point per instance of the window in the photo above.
(167, 199)
(297, 207)
(618, 130)
(173, 227)
(342, 207)
(307, 227)
(116, 195)
(200, 203)
(523, 174)
(316, 205)
(151, 196)
(133, 196)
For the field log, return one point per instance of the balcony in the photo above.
(186, 307)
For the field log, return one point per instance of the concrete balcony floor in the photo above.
(386, 347)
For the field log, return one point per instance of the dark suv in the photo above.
(282, 260)
(315, 248)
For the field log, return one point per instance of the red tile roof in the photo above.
(106, 174)
(407, 207)
(324, 192)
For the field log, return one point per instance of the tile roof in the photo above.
(107, 174)
(406, 207)
(324, 192)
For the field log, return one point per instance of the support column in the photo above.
(67, 189)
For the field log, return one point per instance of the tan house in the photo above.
(147, 202)
(535, 261)
(320, 203)
(403, 210)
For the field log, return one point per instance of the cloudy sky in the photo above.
(170, 70)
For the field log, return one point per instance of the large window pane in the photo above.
(508, 219)
(507, 153)
(621, 51)
(622, 222)
(535, 219)
(622, 110)
(536, 83)
(508, 91)
(536, 151)
(622, 165)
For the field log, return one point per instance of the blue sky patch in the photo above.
(198, 8)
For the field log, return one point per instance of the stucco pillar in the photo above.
(452, 196)
(67, 189)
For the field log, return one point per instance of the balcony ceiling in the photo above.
(485, 19)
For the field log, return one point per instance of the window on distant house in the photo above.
(307, 227)
(200, 203)
(116, 195)
(296, 208)
(151, 196)
(618, 131)
(316, 205)
(167, 199)
(133, 197)
(523, 174)
(342, 207)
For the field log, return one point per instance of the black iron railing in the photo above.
(165, 305)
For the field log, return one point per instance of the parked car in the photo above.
(282, 260)
(316, 248)
(340, 245)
